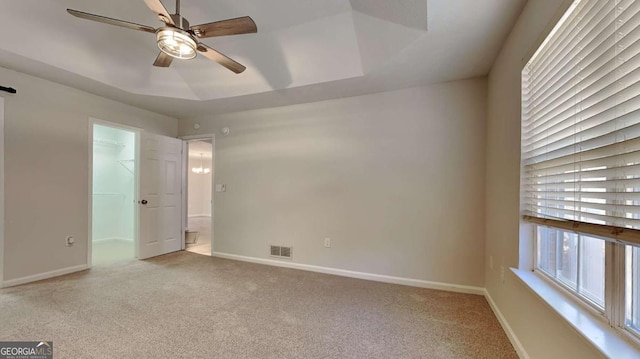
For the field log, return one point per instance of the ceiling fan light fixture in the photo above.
(177, 39)
(176, 43)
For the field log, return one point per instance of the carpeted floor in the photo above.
(185, 305)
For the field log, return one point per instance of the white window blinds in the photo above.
(581, 118)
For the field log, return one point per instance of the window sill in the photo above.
(610, 342)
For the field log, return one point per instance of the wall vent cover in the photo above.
(281, 252)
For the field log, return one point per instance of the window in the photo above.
(575, 260)
(581, 156)
(632, 284)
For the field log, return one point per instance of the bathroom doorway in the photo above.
(114, 186)
(200, 171)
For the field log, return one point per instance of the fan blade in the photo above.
(110, 21)
(220, 58)
(159, 9)
(163, 60)
(241, 25)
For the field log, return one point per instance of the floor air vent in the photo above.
(281, 252)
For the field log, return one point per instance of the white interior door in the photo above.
(160, 200)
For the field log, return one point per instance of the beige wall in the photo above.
(395, 179)
(46, 170)
(542, 333)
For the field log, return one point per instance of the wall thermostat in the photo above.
(196, 126)
(225, 131)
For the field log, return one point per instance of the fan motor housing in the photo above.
(180, 22)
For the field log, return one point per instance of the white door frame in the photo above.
(1, 191)
(185, 173)
(136, 184)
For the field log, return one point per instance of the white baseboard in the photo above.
(360, 275)
(507, 328)
(41, 276)
(199, 215)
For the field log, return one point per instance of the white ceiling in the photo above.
(305, 50)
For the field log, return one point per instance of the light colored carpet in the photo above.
(203, 226)
(184, 305)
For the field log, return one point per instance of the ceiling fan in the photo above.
(176, 39)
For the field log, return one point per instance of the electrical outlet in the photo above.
(490, 262)
(69, 241)
(327, 242)
(502, 274)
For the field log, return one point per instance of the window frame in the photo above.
(606, 330)
(616, 297)
(624, 301)
(614, 312)
(588, 303)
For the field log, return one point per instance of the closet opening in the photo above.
(114, 186)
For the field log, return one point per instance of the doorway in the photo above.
(200, 170)
(114, 191)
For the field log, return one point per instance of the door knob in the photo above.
(144, 201)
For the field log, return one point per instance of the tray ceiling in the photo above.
(305, 50)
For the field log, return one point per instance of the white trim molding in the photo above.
(1, 190)
(41, 276)
(360, 275)
(513, 338)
